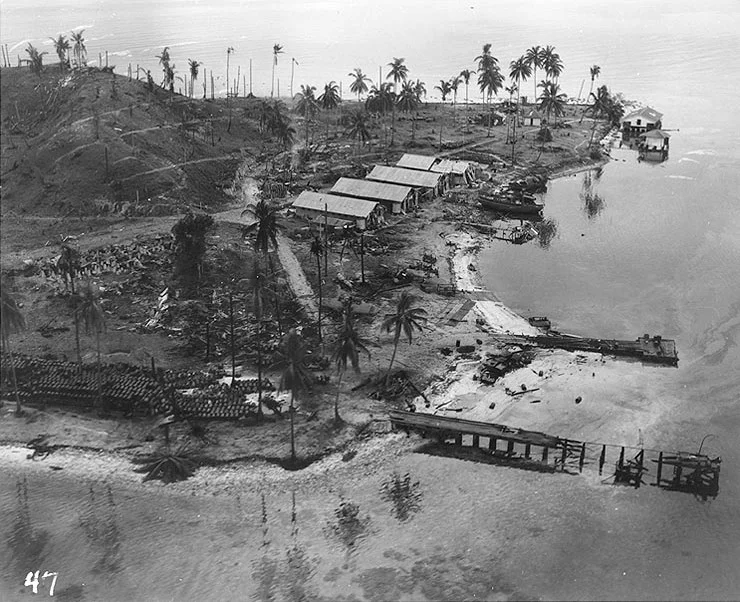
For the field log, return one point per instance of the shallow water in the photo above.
(662, 255)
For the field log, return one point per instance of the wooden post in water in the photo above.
(602, 459)
(583, 457)
(660, 469)
(564, 454)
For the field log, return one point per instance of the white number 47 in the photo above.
(32, 580)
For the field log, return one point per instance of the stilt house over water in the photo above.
(336, 210)
(396, 199)
(641, 121)
(654, 145)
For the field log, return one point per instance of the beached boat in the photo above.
(510, 204)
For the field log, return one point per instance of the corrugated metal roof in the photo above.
(408, 177)
(449, 166)
(410, 161)
(369, 189)
(335, 205)
(646, 113)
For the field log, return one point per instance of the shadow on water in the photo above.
(348, 527)
(593, 203)
(26, 543)
(547, 230)
(403, 495)
(102, 533)
(292, 575)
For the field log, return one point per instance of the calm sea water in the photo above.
(661, 256)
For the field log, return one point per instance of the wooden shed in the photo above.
(393, 197)
(337, 210)
(424, 182)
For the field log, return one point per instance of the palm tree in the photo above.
(398, 73)
(381, 99)
(444, 88)
(276, 49)
(454, 85)
(330, 99)
(520, 70)
(11, 322)
(552, 100)
(490, 80)
(405, 319)
(420, 90)
(91, 313)
(465, 74)
(294, 377)
(194, 67)
(534, 57)
(357, 127)
(358, 85)
(317, 249)
(347, 348)
(599, 108)
(61, 46)
(229, 50)
(259, 292)
(307, 106)
(79, 50)
(285, 133)
(595, 71)
(408, 99)
(552, 64)
(35, 59)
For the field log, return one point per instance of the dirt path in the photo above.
(296, 277)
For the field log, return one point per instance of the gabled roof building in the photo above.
(393, 197)
(337, 210)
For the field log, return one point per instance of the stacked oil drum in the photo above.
(220, 401)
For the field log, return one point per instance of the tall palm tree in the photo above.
(317, 250)
(420, 90)
(11, 322)
(465, 74)
(329, 98)
(347, 348)
(381, 99)
(90, 312)
(79, 50)
(259, 293)
(490, 80)
(194, 66)
(398, 73)
(552, 100)
(444, 88)
(595, 71)
(534, 57)
(229, 51)
(35, 59)
(455, 82)
(61, 46)
(358, 127)
(598, 109)
(408, 99)
(294, 376)
(406, 318)
(307, 105)
(520, 70)
(551, 63)
(359, 85)
(276, 50)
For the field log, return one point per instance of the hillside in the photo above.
(94, 143)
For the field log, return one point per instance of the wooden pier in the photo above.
(692, 473)
(655, 349)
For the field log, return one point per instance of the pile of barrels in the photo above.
(220, 400)
(125, 388)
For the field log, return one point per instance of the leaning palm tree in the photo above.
(194, 67)
(534, 57)
(276, 49)
(406, 318)
(347, 348)
(61, 46)
(358, 85)
(595, 71)
(90, 312)
(294, 377)
(317, 250)
(79, 50)
(11, 322)
(307, 105)
(358, 127)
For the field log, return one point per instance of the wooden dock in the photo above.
(655, 349)
(692, 473)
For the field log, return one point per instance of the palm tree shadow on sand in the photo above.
(26, 543)
(404, 496)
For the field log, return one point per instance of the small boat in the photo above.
(540, 322)
(508, 204)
